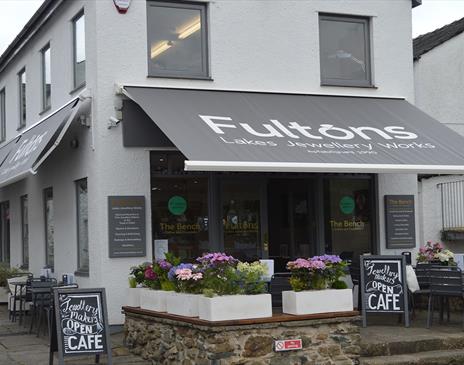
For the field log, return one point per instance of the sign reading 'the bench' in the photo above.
(383, 285)
(81, 322)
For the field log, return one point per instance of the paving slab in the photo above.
(18, 347)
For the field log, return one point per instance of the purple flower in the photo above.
(215, 259)
(164, 265)
(328, 259)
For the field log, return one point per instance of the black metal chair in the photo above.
(279, 283)
(355, 273)
(40, 302)
(445, 282)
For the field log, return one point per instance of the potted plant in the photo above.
(187, 280)
(317, 286)
(7, 272)
(158, 283)
(435, 253)
(233, 290)
(136, 280)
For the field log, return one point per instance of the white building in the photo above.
(439, 91)
(276, 57)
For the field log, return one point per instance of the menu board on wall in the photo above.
(400, 221)
(127, 227)
(81, 323)
(383, 285)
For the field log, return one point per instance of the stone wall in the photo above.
(333, 341)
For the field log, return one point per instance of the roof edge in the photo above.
(39, 18)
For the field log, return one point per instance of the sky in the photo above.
(432, 14)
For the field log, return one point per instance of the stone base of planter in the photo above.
(164, 340)
(182, 304)
(317, 301)
(230, 307)
(154, 300)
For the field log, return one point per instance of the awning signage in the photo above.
(26, 152)
(239, 131)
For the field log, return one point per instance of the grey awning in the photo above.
(24, 154)
(247, 131)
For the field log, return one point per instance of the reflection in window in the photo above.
(241, 220)
(49, 228)
(82, 225)
(348, 215)
(176, 39)
(344, 51)
(22, 98)
(79, 50)
(180, 214)
(46, 78)
(25, 230)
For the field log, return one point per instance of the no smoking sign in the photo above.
(288, 345)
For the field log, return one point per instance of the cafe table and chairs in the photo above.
(40, 295)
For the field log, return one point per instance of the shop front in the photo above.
(280, 176)
(260, 215)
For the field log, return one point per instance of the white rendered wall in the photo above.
(254, 45)
(439, 83)
(397, 184)
(439, 89)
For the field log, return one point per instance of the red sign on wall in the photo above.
(288, 345)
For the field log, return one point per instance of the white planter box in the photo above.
(230, 307)
(182, 304)
(154, 300)
(133, 297)
(317, 301)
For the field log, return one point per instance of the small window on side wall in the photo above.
(22, 98)
(79, 50)
(345, 54)
(177, 39)
(2, 115)
(46, 78)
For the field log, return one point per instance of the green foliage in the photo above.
(339, 284)
(299, 282)
(209, 293)
(138, 272)
(132, 282)
(222, 282)
(250, 277)
(7, 272)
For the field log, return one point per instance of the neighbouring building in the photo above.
(271, 129)
(439, 91)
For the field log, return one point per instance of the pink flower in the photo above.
(149, 273)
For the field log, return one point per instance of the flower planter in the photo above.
(133, 297)
(154, 300)
(230, 307)
(182, 304)
(317, 301)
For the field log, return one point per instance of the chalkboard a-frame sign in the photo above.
(383, 286)
(81, 324)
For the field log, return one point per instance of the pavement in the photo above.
(18, 347)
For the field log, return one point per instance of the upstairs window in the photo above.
(22, 98)
(344, 51)
(2, 116)
(79, 50)
(46, 78)
(177, 39)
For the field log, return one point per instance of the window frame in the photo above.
(2, 115)
(366, 21)
(44, 49)
(22, 199)
(204, 11)
(22, 122)
(76, 17)
(80, 270)
(47, 262)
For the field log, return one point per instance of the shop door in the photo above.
(291, 221)
(5, 232)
